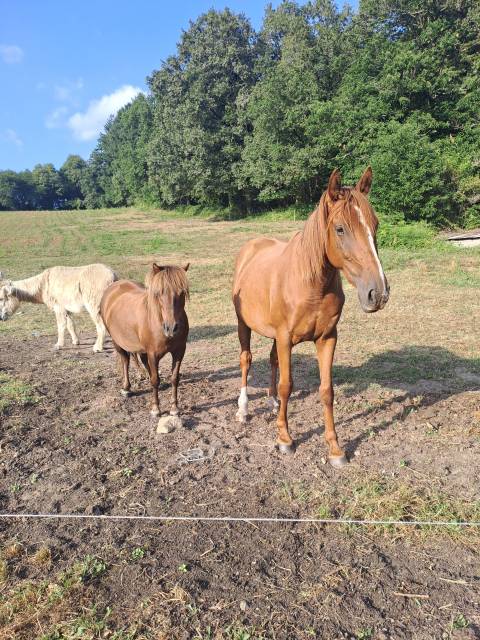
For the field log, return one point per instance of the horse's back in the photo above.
(72, 287)
(254, 253)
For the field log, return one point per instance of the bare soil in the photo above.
(84, 449)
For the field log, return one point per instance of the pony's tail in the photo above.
(140, 366)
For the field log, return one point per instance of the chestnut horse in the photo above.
(292, 292)
(149, 322)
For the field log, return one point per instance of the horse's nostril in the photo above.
(372, 296)
(175, 328)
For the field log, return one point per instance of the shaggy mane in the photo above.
(170, 279)
(314, 235)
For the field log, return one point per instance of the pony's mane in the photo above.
(169, 279)
(314, 235)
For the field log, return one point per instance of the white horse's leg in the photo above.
(71, 330)
(101, 331)
(61, 316)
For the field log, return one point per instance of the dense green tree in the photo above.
(73, 174)
(199, 94)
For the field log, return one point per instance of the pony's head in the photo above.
(9, 301)
(167, 288)
(349, 230)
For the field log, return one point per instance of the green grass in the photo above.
(14, 392)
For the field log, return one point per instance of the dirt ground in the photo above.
(82, 448)
(407, 384)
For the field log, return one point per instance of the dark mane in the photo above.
(314, 235)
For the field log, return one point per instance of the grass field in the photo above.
(407, 381)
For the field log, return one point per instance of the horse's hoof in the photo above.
(126, 393)
(57, 347)
(338, 461)
(287, 449)
(155, 413)
(97, 349)
(174, 412)
(273, 404)
(241, 417)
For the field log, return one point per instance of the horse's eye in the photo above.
(340, 231)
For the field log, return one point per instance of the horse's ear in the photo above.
(365, 183)
(185, 268)
(334, 184)
(157, 268)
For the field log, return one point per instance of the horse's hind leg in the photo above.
(71, 330)
(272, 392)
(125, 362)
(244, 335)
(177, 358)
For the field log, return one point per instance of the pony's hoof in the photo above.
(273, 404)
(338, 461)
(126, 393)
(97, 349)
(155, 413)
(57, 347)
(287, 449)
(167, 424)
(241, 417)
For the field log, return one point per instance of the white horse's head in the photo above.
(9, 301)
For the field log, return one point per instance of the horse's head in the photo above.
(351, 227)
(9, 302)
(168, 289)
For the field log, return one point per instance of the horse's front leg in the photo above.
(61, 316)
(153, 360)
(285, 385)
(177, 357)
(325, 351)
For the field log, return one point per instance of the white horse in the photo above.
(65, 290)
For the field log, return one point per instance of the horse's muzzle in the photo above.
(374, 298)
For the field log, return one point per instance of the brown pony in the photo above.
(149, 322)
(292, 292)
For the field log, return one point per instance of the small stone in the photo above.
(243, 605)
(167, 424)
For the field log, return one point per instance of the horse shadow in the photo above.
(209, 332)
(420, 376)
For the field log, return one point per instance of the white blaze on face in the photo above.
(372, 245)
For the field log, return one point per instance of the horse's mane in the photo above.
(313, 238)
(167, 279)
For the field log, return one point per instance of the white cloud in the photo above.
(11, 136)
(56, 118)
(87, 125)
(10, 53)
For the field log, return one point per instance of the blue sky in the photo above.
(66, 65)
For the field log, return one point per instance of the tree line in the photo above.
(249, 120)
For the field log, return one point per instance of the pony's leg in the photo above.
(61, 316)
(244, 335)
(272, 392)
(125, 362)
(100, 327)
(325, 351)
(71, 330)
(177, 358)
(154, 381)
(285, 386)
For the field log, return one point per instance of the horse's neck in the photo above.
(30, 289)
(298, 264)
